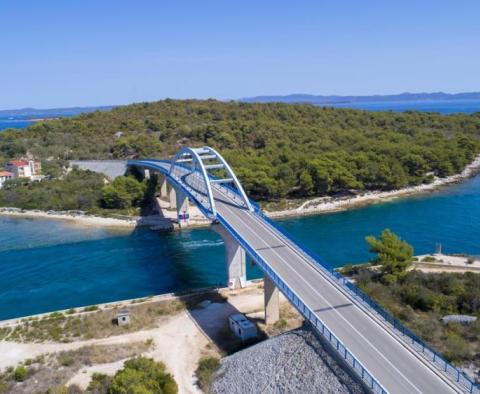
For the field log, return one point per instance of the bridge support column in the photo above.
(235, 259)
(183, 209)
(172, 196)
(272, 303)
(163, 185)
(146, 173)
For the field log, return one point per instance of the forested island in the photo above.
(278, 150)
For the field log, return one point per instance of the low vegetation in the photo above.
(420, 300)
(205, 372)
(49, 373)
(142, 375)
(277, 150)
(80, 190)
(99, 323)
(289, 319)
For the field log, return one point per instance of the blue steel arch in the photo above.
(189, 166)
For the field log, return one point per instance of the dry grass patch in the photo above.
(290, 319)
(50, 372)
(100, 323)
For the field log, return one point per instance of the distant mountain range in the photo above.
(50, 113)
(326, 100)
(32, 113)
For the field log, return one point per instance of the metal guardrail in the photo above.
(429, 353)
(191, 194)
(321, 327)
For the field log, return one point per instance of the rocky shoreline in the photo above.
(79, 217)
(313, 206)
(321, 205)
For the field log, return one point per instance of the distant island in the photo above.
(335, 99)
(39, 114)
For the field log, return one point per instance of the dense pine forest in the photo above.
(278, 150)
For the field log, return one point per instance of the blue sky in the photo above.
(66, 53)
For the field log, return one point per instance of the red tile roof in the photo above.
(5, 173)
(18, 163)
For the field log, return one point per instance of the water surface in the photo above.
(441, 106)
(47, 265)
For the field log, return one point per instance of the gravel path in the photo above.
(294, 362)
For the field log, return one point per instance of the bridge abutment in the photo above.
(235, 259)
(272, 302)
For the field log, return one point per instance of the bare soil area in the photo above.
(179, 334)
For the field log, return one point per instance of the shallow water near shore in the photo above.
(47, 265)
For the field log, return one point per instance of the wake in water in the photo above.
(197, 244)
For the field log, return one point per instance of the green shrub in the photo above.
(280, 324)
(99, 384)
(205, 372)
(90, 308)
(457, 348)
(429, 259)
(143, 375)
(66, 359)
(20, 373)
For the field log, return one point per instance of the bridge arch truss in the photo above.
(203, 170)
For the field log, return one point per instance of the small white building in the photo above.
(242, 327)
(123, 317)
(5, 176)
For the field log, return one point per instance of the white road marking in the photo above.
(328, 303)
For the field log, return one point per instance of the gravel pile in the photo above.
(294, 362)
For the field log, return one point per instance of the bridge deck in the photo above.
(388, 358)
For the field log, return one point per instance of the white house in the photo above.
(24, 169)
(5, 176)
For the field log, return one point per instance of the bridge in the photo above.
(379, 350)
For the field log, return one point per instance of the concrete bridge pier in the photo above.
(183, 208)
(235, 259)
(162, 180)
(172, 196)
(146, 173)
(272, 302)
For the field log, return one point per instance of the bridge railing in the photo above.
(417, 343)
(192, 194)
(408, 335)
(309, 315)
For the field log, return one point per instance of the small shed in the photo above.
(462, 319)
(123, 317)
(242, 327)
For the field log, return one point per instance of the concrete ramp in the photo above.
(110, 168)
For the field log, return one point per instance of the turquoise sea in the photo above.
(441, 106)
(11, 122)
(47, 265)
